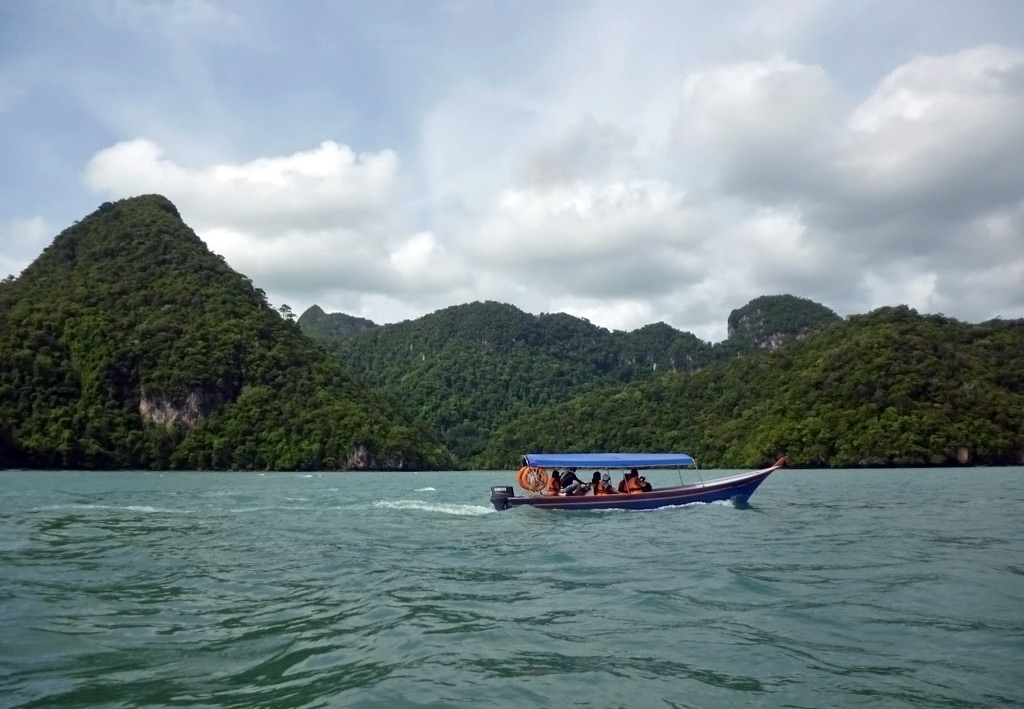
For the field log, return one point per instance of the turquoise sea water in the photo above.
(895, 588)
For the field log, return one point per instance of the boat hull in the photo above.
(737, 488)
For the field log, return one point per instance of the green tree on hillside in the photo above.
(888, 388)
(468, 369)
(127, 344)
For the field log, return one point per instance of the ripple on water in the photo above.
(346, 590)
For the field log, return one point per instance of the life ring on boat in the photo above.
(533, 479)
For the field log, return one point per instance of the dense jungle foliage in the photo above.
(467, 369)
(318, 324)
(128, 344)
(888, 388)
(772, 320)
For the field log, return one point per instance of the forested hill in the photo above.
(316, 323)
(466, 369)
(888, 388)
(127, 344)
(773, 320)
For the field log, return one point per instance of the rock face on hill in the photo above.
(773, 320)
(128, 344)
(316, 323)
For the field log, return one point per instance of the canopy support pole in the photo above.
(699, 476)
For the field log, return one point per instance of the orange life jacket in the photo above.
(603, 488)
(553, 486)
(633, 486)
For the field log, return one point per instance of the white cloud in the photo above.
(21, 242)
(329, 185)
(615, 239)
(745, 106)
(314, 221)
(617, 314)
(901, 283)
(657, 161)
(587, 150)
(940, 133)
(469, 141)
(887, 200)
(853, 204)
(567, 223)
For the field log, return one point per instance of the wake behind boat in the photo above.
(535, 478)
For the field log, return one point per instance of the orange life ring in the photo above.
(533, 479)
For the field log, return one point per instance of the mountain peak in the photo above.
(772, 320)
(318, 324)
(141, 348)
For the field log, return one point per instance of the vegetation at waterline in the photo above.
(128, 344)
(890, 388)
(467, 369)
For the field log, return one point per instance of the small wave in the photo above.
(268, 508)
(147, 508)
(128, 508)
(426, 489)
(448, 509)
(714, 503)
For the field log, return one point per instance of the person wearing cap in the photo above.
(602, 485)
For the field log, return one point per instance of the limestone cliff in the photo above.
(773, 320)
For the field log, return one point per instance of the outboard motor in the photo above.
(500, 495)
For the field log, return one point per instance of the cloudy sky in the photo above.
(625, 162)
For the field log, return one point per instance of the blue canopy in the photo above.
(606, 460)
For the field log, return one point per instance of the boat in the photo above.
(533, 477)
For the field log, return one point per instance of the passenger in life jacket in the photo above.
(595, 480)
(554, 484)
(603, 486)
(633, 484)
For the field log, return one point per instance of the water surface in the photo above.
(897, 588)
